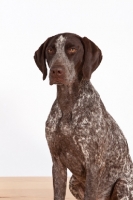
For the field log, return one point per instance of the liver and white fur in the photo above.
(81, 134)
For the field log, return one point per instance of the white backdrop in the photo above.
(26, 100)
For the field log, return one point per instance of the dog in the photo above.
(82, 136)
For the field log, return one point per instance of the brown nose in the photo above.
(56, 71)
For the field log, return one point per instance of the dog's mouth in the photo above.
(60, 81)
(57, 82)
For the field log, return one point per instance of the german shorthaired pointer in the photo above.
(81, 134)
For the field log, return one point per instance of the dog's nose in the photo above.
(56, 71)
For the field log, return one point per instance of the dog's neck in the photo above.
(66, 97)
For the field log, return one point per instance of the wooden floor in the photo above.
(35, 188)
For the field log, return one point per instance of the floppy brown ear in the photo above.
(92, 58)
(39, 58)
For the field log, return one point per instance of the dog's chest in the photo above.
(67, 128)
(80, 140)
(70, 136)
(61, 129)
(63, 141)
(65, 134)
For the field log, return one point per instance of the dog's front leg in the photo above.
(91, 186)
(59, 179)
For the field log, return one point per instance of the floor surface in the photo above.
(28, 188)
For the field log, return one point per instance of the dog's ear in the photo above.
(92, 58)
(40, 58)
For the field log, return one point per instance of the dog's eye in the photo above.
(50, 50)
(72, 50)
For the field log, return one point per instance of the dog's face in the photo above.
(64, 55)
(69, 58)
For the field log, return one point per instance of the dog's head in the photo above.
(69, 57)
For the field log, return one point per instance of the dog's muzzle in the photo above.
(57, 75)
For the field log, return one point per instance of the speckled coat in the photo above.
(84, 138)
(90, 145)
